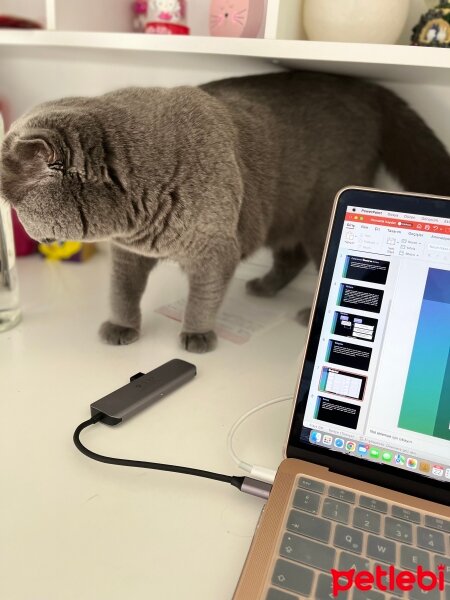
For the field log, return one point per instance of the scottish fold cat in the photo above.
(207, 175)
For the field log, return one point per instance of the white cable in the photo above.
(255, 470)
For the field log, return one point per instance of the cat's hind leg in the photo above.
(128, 280)
(287, 264)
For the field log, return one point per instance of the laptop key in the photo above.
(307, 552)
(348, 539)
(351, 561)
(295, 578)
(370, 595)
(367, 520)
(274, 594)
(373, 504)
(335, 510)
(341, 494)
(400, 512)
(381, 549)
(309, 526)
(417, 594)
(411, 558)
(437, 523)
(324, 589)
(384, 575)
(311, 484)
(307, 501)
(398, 530)
(440, 560)
(430, 540)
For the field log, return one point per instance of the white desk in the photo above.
(74, 529)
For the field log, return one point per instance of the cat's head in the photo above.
(59, 173)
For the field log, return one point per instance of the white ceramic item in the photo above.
(364, 21)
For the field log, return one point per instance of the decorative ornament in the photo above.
(167, 17)
(140, 11)
(236, 18)
(433, 29)
(355, 21)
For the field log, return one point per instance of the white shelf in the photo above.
(400, 63)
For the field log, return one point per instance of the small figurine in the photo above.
(236, 18)
(433, 28)
(167, 17)
(140, 11)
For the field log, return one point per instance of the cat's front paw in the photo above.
(303, 316)
(261, 287)
(117, 335)
(198, 342)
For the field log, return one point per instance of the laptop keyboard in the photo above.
(330, 527)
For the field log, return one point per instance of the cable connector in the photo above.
(257, 471)
(267, 475)
(251, 486)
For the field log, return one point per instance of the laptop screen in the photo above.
(376, 379)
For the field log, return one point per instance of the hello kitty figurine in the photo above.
(236, 18)
(167, 17)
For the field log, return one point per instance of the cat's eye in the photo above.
(58, 165)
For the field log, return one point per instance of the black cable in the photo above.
(231, 479)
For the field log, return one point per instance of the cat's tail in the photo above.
(410, 150)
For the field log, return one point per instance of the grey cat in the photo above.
(207, 175)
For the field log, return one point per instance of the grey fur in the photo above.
(205, 176)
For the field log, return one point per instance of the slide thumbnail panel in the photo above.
(360, 298)
(370, 270)
(348, 355)
(342, 383)
(355, 326)
(337, 412)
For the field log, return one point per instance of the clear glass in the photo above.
(9, 286)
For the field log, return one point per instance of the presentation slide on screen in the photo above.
(342, 383)
(370, 270)
(356, 326)
(426, 400)
(360, 298)
(348, 355)
(336, 412)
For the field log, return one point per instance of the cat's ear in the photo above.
(36, 144)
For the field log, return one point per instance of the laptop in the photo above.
(359, 509)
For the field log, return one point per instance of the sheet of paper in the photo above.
(239, 318)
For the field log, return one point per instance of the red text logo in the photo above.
(388, 579)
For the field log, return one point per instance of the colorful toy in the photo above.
(140, 12)
(67, 251)
(433, 28)
(167, 17)
(236, 18)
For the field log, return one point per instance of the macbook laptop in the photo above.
(359, 509)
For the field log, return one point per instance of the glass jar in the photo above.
(9, 287)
